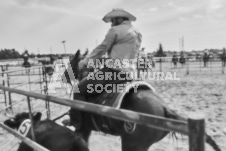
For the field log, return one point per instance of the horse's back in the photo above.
(144, 101)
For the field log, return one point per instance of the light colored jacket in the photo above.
(122, 41)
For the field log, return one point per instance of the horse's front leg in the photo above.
(84, 129)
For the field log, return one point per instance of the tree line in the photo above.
(9, 54)
(161, 53)
(14, 54)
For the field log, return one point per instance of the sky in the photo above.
(41, 25)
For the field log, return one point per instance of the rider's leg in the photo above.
(84, 92)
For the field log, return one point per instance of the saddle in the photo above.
(114, 100)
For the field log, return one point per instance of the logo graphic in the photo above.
(121, 73)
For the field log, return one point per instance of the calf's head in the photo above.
(20, 117)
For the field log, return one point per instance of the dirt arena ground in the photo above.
(203, 92)
(198, 93)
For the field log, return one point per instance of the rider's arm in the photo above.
(104, 47)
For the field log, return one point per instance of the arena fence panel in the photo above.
(194, 127)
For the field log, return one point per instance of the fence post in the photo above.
(40, 77)
(200, 65)
(9, 94)
(31, 118)
(196, 126)
(187, 66)
(210, 60)
(223, 67)
(46, 91)
(160, 61)
(29, 81)
(3, 83)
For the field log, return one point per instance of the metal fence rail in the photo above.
(30, 68)
(165, 64)
(194, 128)
(42, 80)
(26, 140)
(140, 118)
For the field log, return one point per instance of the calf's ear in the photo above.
(37, 116)
(11, 123)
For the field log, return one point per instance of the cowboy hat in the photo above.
(118, 13)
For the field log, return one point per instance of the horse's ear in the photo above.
(86, 53)
(37, 116)
(77, 54)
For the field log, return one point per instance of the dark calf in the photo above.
(48, 134)
(49, 69)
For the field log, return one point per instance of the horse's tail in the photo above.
(173, 115)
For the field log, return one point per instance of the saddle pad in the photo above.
(114, 100)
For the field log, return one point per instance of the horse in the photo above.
(175, 60)
(47, 133)
(133, 136)
(223, 59)
(47, 68)
(182, 61)
(26, 64)
(206, 58)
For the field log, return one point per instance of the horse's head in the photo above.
(86, 53)
(73, 68)
(16, 121)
